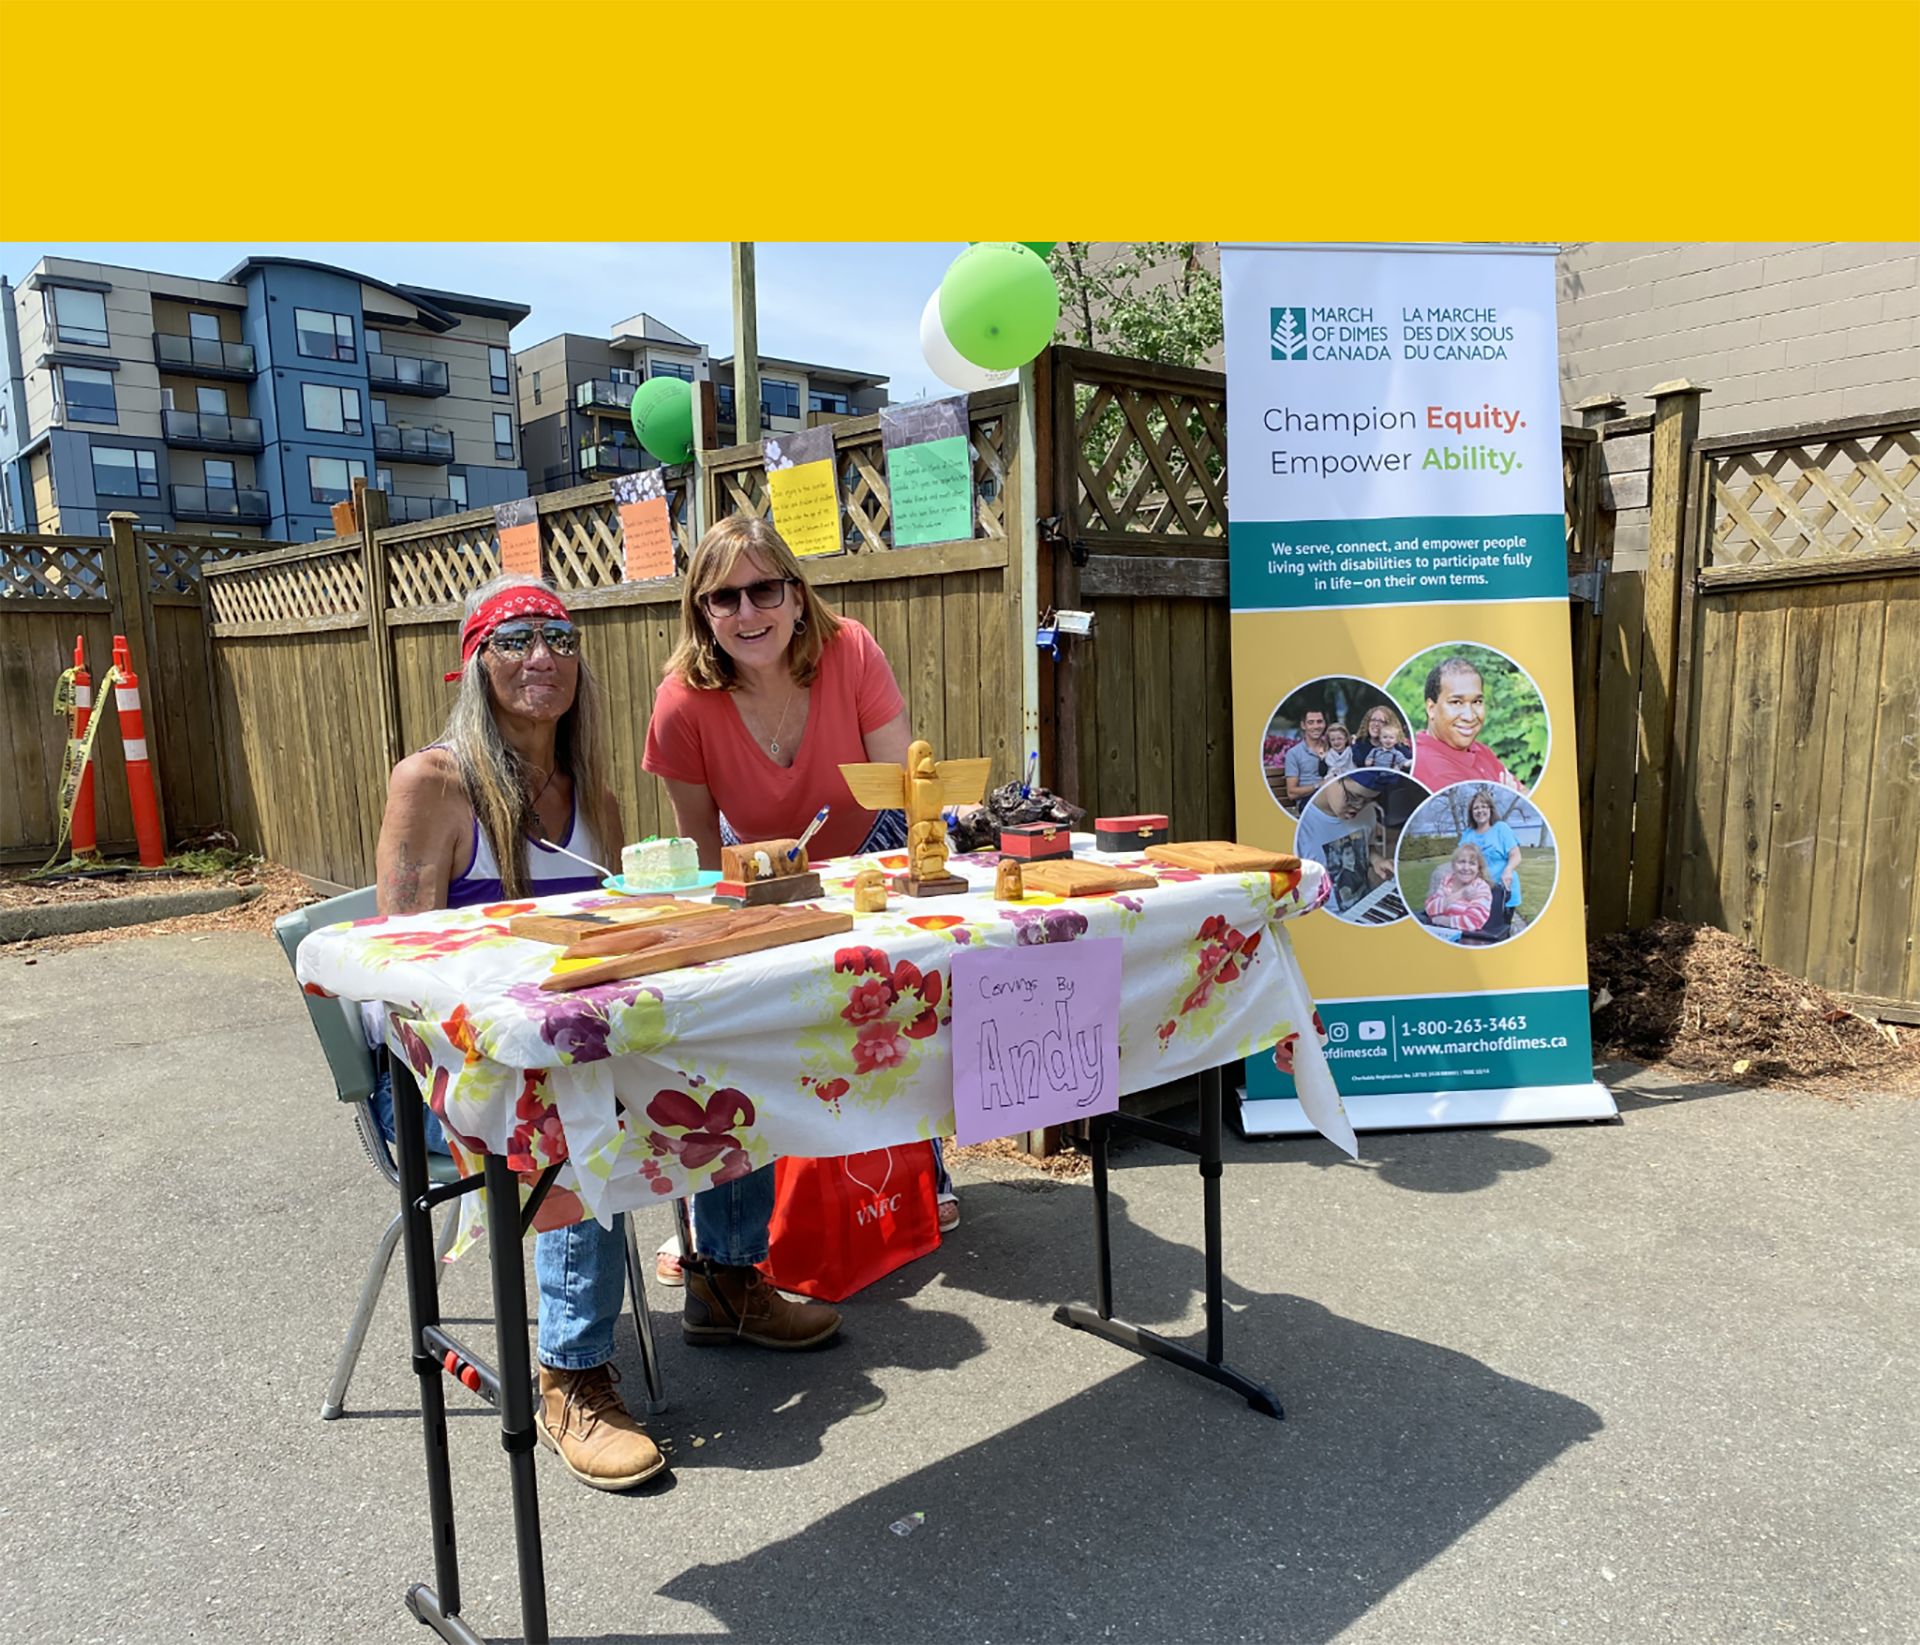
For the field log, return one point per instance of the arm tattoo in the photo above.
(400, 891)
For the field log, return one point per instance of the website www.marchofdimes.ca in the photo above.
(1516, 1037)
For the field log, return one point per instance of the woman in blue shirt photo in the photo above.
(1501, 848)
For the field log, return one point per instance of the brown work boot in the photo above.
(738, 1305)
(582, 1417)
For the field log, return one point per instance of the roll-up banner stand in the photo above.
(1402, 678)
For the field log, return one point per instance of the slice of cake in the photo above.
(656, 864)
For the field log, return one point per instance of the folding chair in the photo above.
(337, 1024)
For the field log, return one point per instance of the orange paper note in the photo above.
(518, 526)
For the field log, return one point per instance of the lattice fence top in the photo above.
(74, 569)
(866, 512)
(173, 564)
(330, 583)
(1149, 461)
(1827, 498)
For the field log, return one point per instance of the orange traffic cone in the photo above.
(83, 832)
(133, 737)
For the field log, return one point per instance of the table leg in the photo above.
(516, 1390)
(1100, 1321)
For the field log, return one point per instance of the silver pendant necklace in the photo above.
(773, 747)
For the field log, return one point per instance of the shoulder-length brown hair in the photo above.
(697, 658)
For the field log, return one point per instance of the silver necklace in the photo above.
(773, 747)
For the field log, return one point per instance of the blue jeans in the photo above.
(581, 1270)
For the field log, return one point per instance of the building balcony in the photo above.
(605, 399)
(412, 510)
(221, 504)
(407, 374)
(204, 356)
(610, 459)
(211, 431)
(412, 445)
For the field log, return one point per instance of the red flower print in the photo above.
(733, 1164)
(505, 910)
(878, 1046)
(677, 1109)
(459, 1030)
(831, 1090)
(317, 991)
(727, 1108)
(1212, 927)
(936, 922)
(870, 1000)
(1319, 1027)
(1283, 1054)
(860, 959)
(1166, 1029)
(371, 919)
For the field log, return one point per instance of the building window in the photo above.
(503, 436)
(330, 479)
(383, 480)
(331, 410)
(166, 399)
(823, 400)
(536, 388)
(118, 472)
(223, 534)
(210, 402)
(322, 532)
(219, 474)
(497, 369)
(778, 399)
(204, 327)
(378, 411)
(374, 343)
(324, 336)
(77, 316)
(89, 395)
(671, 368)
(457, 488)
(622, 374)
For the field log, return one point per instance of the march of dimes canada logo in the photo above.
(1289, 333)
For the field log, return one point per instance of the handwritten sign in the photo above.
(518, 526)
(929, 472)
(646, 531)
(1036, 1036)
(804, 490)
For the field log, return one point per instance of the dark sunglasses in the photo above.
(516, 642)
(766, 596)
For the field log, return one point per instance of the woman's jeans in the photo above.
(582, 1270)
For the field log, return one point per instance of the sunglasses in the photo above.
(515, 643)
(765, 596)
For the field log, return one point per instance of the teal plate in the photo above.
(705, 878)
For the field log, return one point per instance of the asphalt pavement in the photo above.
(1652, 1380)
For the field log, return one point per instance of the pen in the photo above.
(813, 828)
(1033, 774)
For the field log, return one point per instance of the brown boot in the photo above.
(582, 1418)
(738, 1305)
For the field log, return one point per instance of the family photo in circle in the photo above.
(1477, 714)
(1352, 826)
(1477, 864)
(1326, 728)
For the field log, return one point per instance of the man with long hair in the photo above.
(522, 766)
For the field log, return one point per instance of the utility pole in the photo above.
(746, 348)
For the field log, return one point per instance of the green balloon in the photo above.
(1043, 248)
(663, 418)
(999, 304)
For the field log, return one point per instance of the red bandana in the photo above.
(508, 604)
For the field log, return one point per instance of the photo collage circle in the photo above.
(1415, 795)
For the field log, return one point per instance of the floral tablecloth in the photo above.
(671, 1083)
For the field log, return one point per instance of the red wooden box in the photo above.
(1033, 841)
(1130, 833)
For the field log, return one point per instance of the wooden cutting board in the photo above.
(564, 930)
(1069, 877)
(718, 936)
(1223, 857)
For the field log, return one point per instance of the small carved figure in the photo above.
(1009, 883)
(870, 891)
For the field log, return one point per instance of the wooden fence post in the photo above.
(125, 564)
(370, 515)
(1676, 425)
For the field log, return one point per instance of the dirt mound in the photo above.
(1701, 1000)
(281, 891)
(1004, 1151)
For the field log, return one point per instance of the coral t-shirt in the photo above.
(1435, 765)
(698, 737)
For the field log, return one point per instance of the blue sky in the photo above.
(839, 304)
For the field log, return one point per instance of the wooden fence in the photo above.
(145, 585)
(327, 659)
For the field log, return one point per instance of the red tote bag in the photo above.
(841, 1224)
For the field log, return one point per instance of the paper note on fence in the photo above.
(1036, 1036)
(929, 472)
(518, 526)
(804, 490)
(646, 529)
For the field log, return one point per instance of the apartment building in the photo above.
(247, 406)
(575, 392)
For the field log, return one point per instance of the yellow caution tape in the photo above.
(79, 753)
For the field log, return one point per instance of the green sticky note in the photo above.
(931, 488)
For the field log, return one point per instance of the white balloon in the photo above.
(947, 362)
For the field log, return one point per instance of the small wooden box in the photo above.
(1130, 833)
(1033, 841)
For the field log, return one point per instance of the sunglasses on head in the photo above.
(765, 596)
(515, 640)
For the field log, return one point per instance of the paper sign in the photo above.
(518, 526)
(929, 472)
(804, 489)
(646, 531)
(1036, 1036)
